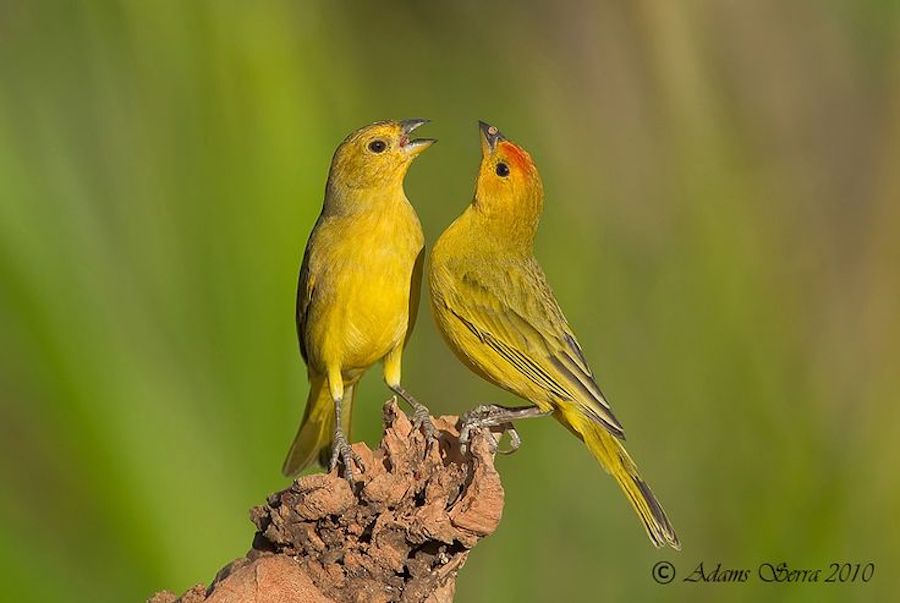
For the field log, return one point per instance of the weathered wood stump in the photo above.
(400, 532)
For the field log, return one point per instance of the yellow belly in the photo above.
(370, 314)
(361, 303)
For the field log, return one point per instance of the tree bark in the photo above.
(400, 532)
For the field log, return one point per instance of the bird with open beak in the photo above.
(358, 290)
(492, 304)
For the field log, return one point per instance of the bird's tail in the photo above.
(611, 454)
(313, 440)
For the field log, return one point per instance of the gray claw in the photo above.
(422, 420)
(515, 440)
(342, 451)
(485, 416)
(421, 414)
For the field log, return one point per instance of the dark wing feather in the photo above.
(305, 288)
(515, 313)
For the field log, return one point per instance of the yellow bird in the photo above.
(496, 311)
(359, 285)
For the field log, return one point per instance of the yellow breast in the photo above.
(363, 269)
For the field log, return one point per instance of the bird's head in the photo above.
(508, 186)
(377, 156)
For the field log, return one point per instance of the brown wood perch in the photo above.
(402, 532)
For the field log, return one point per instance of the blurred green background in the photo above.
(721, 227)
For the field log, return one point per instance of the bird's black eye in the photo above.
(377, 146)
(502, 170)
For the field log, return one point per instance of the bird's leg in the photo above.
(340, 448)
(421, 414)
(491, 415)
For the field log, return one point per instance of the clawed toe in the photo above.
(343, 452)
(515, 440)
(421, 415)
(477, 418)
(487, 416)
(422, 421)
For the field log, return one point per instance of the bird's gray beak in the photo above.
(417, 145)
(490, 136)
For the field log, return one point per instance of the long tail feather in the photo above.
(611, 454)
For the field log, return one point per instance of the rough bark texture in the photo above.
(401, 532)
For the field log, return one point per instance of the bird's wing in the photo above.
(515, 313)
(415, 291)
(306, 285)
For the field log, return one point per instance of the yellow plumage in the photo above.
(492, 304)
(358, 289)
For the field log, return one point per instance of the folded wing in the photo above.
(517, 317)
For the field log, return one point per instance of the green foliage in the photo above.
(720, 227)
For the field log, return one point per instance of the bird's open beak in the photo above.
(413, 146)
(490, 136)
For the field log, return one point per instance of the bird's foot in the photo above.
(485, 416)
(422, 420)
(421, 416)
(494, 415)
(473, 419)
(343, 452)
